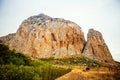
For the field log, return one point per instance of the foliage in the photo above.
(38, 63)
(11, 56)
(73, 60)
(16, 66)
(43, 72)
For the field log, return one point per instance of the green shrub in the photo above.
(37, 63)
(11, 56)
(17, 60)
(73, 60)
(46, 72)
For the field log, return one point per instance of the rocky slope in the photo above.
(43, 36)
(6, 39)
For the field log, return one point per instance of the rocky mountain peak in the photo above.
(96, 47)
(92, 32)
(44, 20)
(42, 36)
(43, 16)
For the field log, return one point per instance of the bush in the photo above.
(46, 72)
(37, 63)
(11, 56)
(16, 66)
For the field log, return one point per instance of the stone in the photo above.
(6, 39)
(42, 36)
(96, 48)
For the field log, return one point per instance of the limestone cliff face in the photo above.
(42, 36)
(96, 47)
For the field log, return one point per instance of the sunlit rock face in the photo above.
(42, 36)
(96, 47)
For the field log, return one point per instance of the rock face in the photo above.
(6, 39)
(96, 47)
(42, 36)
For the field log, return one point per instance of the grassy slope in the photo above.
(84, 68)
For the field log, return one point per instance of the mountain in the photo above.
(42, 36)
(96, 47)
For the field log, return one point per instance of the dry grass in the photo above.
(84, 68)
(101, 73)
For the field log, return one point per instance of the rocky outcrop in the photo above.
(6, 39)
(42, 36)
(96, 47)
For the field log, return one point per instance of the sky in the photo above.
(102, 15)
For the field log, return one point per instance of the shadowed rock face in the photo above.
(96, 47)
(42, 36)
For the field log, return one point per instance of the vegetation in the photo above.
(42, 72)
(84, 68)
(11, 56)
(78, 60)
(16, 66)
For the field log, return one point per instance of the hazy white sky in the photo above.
(102, 15)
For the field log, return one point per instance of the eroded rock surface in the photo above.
(6, 39)
(42, 36)
(96, 47)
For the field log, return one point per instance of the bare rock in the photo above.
(96, 47)
(42, 36)
(6, 39)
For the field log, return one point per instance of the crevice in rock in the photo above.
(84, 47)
(53, 37)
(92, 49)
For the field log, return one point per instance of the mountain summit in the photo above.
(42, 36)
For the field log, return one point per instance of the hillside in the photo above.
(84, 68)
(52, 68)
